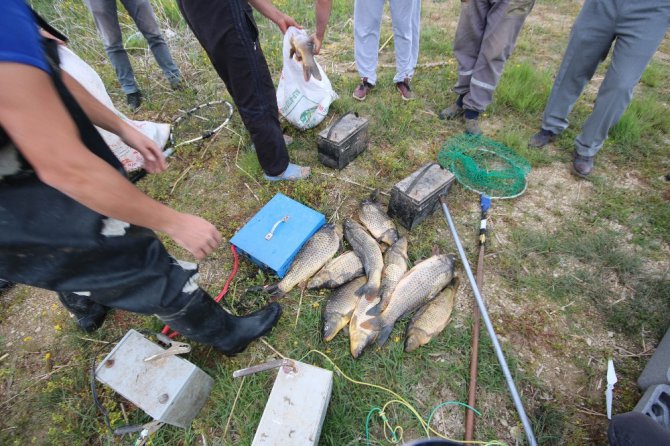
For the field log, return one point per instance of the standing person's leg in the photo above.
(503, 24)
(590, 41)
(367, 20)
(143, 15)
(640, 29)
(107, 21)
(467, 42)
(227, 31)
(416, 35)
(402, 15)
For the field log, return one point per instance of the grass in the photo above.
(555, 273)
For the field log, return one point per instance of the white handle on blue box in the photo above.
(269, 235)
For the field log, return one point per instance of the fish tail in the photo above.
(369, 291)
(373, 324)
(384, 333)
(375, 311)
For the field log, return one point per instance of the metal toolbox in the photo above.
(414, 198)
(343, 141)
(273, 237)
(169, 389)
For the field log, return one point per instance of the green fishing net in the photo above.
(485, 166)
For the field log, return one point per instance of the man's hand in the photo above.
(154, 161)
(196, 235)
(317, 44)
(285, 21)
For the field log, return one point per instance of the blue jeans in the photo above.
(107, 22)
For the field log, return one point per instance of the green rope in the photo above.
(432, 412)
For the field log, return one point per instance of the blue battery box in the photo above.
(273, 237)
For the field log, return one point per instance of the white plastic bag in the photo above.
(89, 79)
(303, 104)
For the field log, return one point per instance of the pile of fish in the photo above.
(371, 289)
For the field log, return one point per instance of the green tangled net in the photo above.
(485, 166)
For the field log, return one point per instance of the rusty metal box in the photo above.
(343, 141)
(414, 198)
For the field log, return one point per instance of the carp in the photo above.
(432, 318)
(338, 271)
(339, 308)
(302, 46)
(320, 248)
(395, 266)
(368, 251)
(360, 334)
(380, 225)
(418, 286)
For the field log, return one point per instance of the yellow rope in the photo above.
(400, 400)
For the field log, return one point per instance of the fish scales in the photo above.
(338, 271)
(368, 251)
(339, 307)
(395, 266)
(320, 248)
(431, 319)
(380, 225)
(419, 285)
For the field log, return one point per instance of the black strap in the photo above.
(48, 28)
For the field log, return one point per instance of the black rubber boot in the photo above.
(205, 321)
(89, 314)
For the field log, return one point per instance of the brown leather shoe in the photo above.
(361, 92)
(405, 90)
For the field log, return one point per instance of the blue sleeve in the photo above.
(19, 39)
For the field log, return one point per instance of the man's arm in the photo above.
(36, 120)
(323, 8)
(103, 117)
(270, 11)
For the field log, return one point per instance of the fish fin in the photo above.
(291, 52)
(384, 334)
(373, 324)
(314, 69)
(375, 311)
(436, 250)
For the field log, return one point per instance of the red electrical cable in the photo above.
(236, 264)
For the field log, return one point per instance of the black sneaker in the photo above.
(134, 100)
(582, 165)
(541, 139)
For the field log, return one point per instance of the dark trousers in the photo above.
(227, 31)
(636, 429)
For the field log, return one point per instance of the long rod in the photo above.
(474, 353)
(489, 327)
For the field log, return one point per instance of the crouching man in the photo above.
(69, 219)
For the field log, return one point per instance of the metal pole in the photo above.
(489, 327)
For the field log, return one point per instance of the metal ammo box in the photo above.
(343, 141)
(273, 237)
(414, 198)
(169, 389)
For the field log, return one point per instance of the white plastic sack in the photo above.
(303, 104)
(89, 79)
